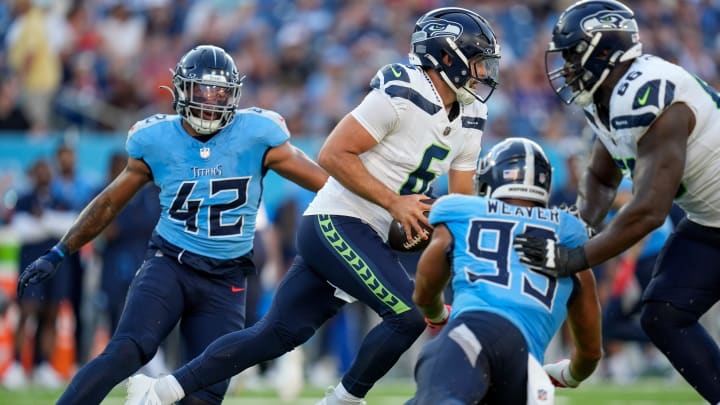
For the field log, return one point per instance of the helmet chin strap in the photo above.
(463, 95)
(201, 126)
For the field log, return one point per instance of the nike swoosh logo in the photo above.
(642, 100)
(395, 72)
(236, 289)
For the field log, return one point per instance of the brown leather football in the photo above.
(398, 241)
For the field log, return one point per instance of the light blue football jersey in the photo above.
(209, 192)
(487, 274)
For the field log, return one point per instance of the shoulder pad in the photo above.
(273, 116)
(149, 122)
(389, 73)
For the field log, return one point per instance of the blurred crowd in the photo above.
(97, 66)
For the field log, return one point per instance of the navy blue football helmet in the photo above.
(206, 88)
(515, 168)
(469, 42)
(589, 39)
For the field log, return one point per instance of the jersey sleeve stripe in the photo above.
(633, 121)
(414, 97)
(473, 123)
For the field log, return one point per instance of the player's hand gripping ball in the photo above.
(398, 241)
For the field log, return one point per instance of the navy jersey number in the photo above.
(419, 180)
(186, 209)
(500, 256)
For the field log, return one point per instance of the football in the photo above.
(398, 241)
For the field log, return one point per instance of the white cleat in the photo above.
(141, 391)
(332, 399)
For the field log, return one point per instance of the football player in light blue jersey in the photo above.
(208, 161)
(503, 314)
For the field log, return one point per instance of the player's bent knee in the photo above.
(657, 316)
(410, 322)
(293, 337)
(127, 351)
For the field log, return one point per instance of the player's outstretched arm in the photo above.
(597, 186)
(584, 322)
(293, 164)
(433, 274)
(656, 180)
(91, 221)
(107, 205)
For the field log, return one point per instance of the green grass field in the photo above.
(647, 392)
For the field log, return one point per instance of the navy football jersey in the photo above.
(209, 191)
(487, 275)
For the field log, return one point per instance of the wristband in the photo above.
(60, 249)
(57, 253)
(442, 317)
(576, 260)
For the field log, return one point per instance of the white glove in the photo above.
(560, 374)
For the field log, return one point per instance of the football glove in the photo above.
(547, 257)
(42, 268)
(560, 374)
(436, 324)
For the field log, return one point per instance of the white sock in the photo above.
(344, 395)
(169, 389)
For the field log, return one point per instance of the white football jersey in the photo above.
(649, 87)
(417, 143)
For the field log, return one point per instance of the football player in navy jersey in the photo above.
(418, 122)
(659, 124)
(208, 161)
(503, 314)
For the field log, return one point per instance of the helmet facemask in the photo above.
(208, 104)
(472, 79)
(588, 41)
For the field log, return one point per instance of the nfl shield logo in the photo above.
(542, 394)
(204, 152)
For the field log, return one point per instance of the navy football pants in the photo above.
(684, 285)
(163, 293)
(334, 251)
(478, 358)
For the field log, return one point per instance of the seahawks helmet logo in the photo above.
(437, 28)
(608, 21)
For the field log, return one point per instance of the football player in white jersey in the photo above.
(659, 124)
(418, 122)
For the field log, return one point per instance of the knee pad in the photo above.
(657, 316)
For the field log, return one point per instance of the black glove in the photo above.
(42, 268)
(573, 210)
(547, 257)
